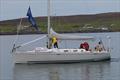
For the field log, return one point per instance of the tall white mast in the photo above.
(48, 11)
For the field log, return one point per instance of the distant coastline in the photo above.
(104, 22)
(30, 33)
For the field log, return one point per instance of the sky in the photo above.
(13, 9)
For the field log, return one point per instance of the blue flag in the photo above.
(31, 19)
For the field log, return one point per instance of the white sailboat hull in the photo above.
(43, 55)
(59, 57)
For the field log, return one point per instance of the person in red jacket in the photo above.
(85, 46)
(81, 46)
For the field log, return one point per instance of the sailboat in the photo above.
(57, 55)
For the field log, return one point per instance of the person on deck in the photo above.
(99, 47)
(85, 46)
(55, 42)
(82, 46)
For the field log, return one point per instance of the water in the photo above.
(108, 70)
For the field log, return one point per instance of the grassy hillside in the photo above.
(74, 23)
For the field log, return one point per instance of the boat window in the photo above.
(65, 50)
(75, 50)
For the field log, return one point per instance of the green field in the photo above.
(76, 23)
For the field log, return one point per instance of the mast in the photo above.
(48, 31)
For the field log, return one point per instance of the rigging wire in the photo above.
(18, 28)
(32, 41)
(24, 44)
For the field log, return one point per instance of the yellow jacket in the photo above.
(54, 40)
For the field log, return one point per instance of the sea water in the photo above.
(106, 70)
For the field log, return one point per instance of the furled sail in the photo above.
(68, 36)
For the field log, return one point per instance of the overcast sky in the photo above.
(12, 9)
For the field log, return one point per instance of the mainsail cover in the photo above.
(68, 36)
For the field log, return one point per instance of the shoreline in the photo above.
(30, 33)
(96, 23)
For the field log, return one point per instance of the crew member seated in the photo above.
(85, 46)
(99, 47)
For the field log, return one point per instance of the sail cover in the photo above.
(68, 36)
